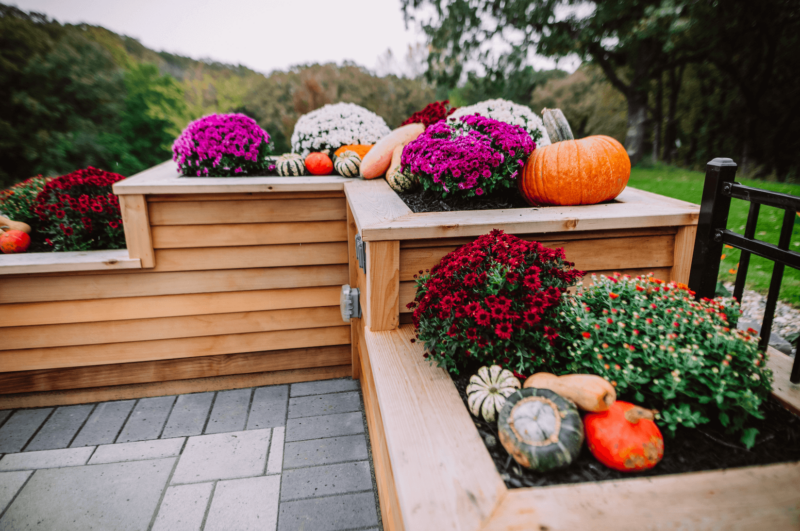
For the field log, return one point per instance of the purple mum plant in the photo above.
(470, 157)
(222, 145)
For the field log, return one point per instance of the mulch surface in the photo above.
(427, 201)
(691, 450)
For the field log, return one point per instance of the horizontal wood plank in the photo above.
(763, 497)
(588, 255)
(64, 335)
(172, 387)
(230, 212)
(185, 236)
(166, 370)
(163, 349)
(27, 263)
(34, 289)
(408, 289)
(274, 196)
(294, 254)
(783, 389)
(88, 311)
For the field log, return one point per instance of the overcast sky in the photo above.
(264, 35)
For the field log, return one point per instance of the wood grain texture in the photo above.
(274, 196)
(185, 236)
(27, 263)
(88, 311)
(163, 349)
(783, 390)
(136, 223)
(391, 516)
(383, 286)
(740, 499)
(443, 475)
(408, 289)
(588, 255)
(35, 289)
(373, 202)
(172, 387)
(254, 211)
(166, 370)
(293, 254)
(353, 282)
(164, 179)
(66, 335)
(684, 249)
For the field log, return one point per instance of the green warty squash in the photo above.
(487, 391)
(290, 165)
(540, 429)
(348, 164)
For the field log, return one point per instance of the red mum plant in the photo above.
(432, 113)
(494, 301)
(79, 212)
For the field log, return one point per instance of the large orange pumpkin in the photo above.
(574, 172)
(361, 149)
(625, 437)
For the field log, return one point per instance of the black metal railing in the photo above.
(712, 234)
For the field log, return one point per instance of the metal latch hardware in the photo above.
(361, 253)
(349, 303)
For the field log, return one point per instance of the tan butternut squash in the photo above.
(589, 392)
(376, 162)
(14, 225)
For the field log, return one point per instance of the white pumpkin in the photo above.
(487, 391)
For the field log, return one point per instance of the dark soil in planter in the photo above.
(691, 450)
(427, 201)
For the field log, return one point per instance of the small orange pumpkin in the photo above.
(319, 164)
(14, 241)
(625, 437)
(574, 172)
(361, 149)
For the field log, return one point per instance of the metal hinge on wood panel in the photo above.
(361, 253)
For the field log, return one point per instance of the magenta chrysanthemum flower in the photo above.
(221, 145)
(472, 156)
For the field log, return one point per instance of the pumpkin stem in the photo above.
(636, 413)
(557, 126)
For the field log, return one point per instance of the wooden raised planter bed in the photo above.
(229, 277)
(433, 470)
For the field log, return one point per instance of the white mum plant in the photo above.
(336, 125)
(510, 113)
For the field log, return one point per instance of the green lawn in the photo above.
(688, 186)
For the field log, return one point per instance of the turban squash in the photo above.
(574, 172)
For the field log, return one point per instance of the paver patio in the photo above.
(285, 457)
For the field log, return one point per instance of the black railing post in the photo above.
(714, 209)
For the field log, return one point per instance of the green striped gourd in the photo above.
(290, 165)
(488, 389)
(401, 181)
(348, 164)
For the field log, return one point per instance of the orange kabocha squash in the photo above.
(14, 241)
(574, 172)
(361, 149)
(625, 437)
(319, 164)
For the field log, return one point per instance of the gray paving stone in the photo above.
(230, 411)
(5, 413)
(113, 497)
(223, 456)
(137, 451)
(147, 419)
(46, 459)
(183, 508)
(329, 514)
(189, 415)
(269, 407)
(10, 483)
(18, 429)
(312, 406)
(275, 461)
(324, 426)
(324, 451)
(60, 428)
(104, 424)
(244, 505)
(325, 480)
(323, 387)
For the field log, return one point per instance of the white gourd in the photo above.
(488, 389)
